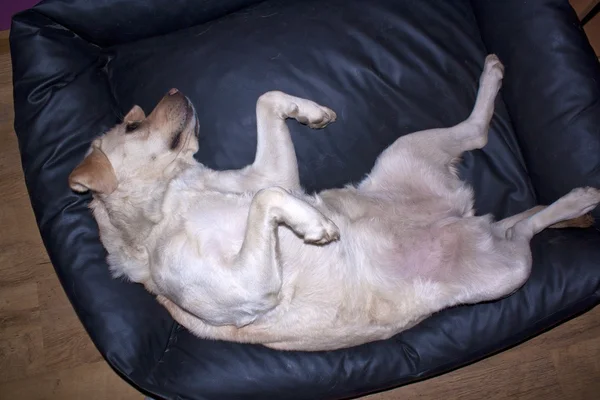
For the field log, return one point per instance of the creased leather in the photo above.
(388, 68)
(110, 22)
(551, 89)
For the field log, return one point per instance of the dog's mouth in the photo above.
(189, 124)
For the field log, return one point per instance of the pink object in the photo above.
(10, 7)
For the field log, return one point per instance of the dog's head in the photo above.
(141, 148)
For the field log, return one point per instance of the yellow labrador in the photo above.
(246, 256)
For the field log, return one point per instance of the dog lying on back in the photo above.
(247, 256)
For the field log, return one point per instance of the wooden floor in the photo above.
(46, 354)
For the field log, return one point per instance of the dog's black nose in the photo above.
(173, 91)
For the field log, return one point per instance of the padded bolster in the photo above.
(56, 73)
(110, 22)
(551, 89)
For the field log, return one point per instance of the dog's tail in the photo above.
(584, 221)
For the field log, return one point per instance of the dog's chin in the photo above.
(196, 125)
(192, 121)
(192, 126)
(188, 129)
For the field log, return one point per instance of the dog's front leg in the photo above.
(257, 263)
(275, 155)
(275, 163)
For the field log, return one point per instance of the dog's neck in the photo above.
(126, 219)
(136, 207)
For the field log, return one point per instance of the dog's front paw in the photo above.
(321, 231)
(312, 114)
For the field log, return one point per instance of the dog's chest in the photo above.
(217, 225)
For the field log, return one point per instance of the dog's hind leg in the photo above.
(275, 163)
(582, 221)
(438, 149)
(573, 205)
(505, 263)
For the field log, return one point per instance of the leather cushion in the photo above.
(387, 67)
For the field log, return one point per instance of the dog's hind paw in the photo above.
(494, 66)
(581, 200)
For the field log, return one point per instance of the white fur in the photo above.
(247, 256)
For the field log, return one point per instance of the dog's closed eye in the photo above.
(176, 140)
(131, 127)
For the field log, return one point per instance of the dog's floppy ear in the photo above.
(95, 173)
(136, 114)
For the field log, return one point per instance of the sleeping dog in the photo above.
(245, 255)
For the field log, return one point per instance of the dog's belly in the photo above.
(381, 277)
(402, 235)
(385, 274)
(397, 251)
(403, 208)
(354, 290)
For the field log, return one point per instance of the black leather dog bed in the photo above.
(388, 67)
